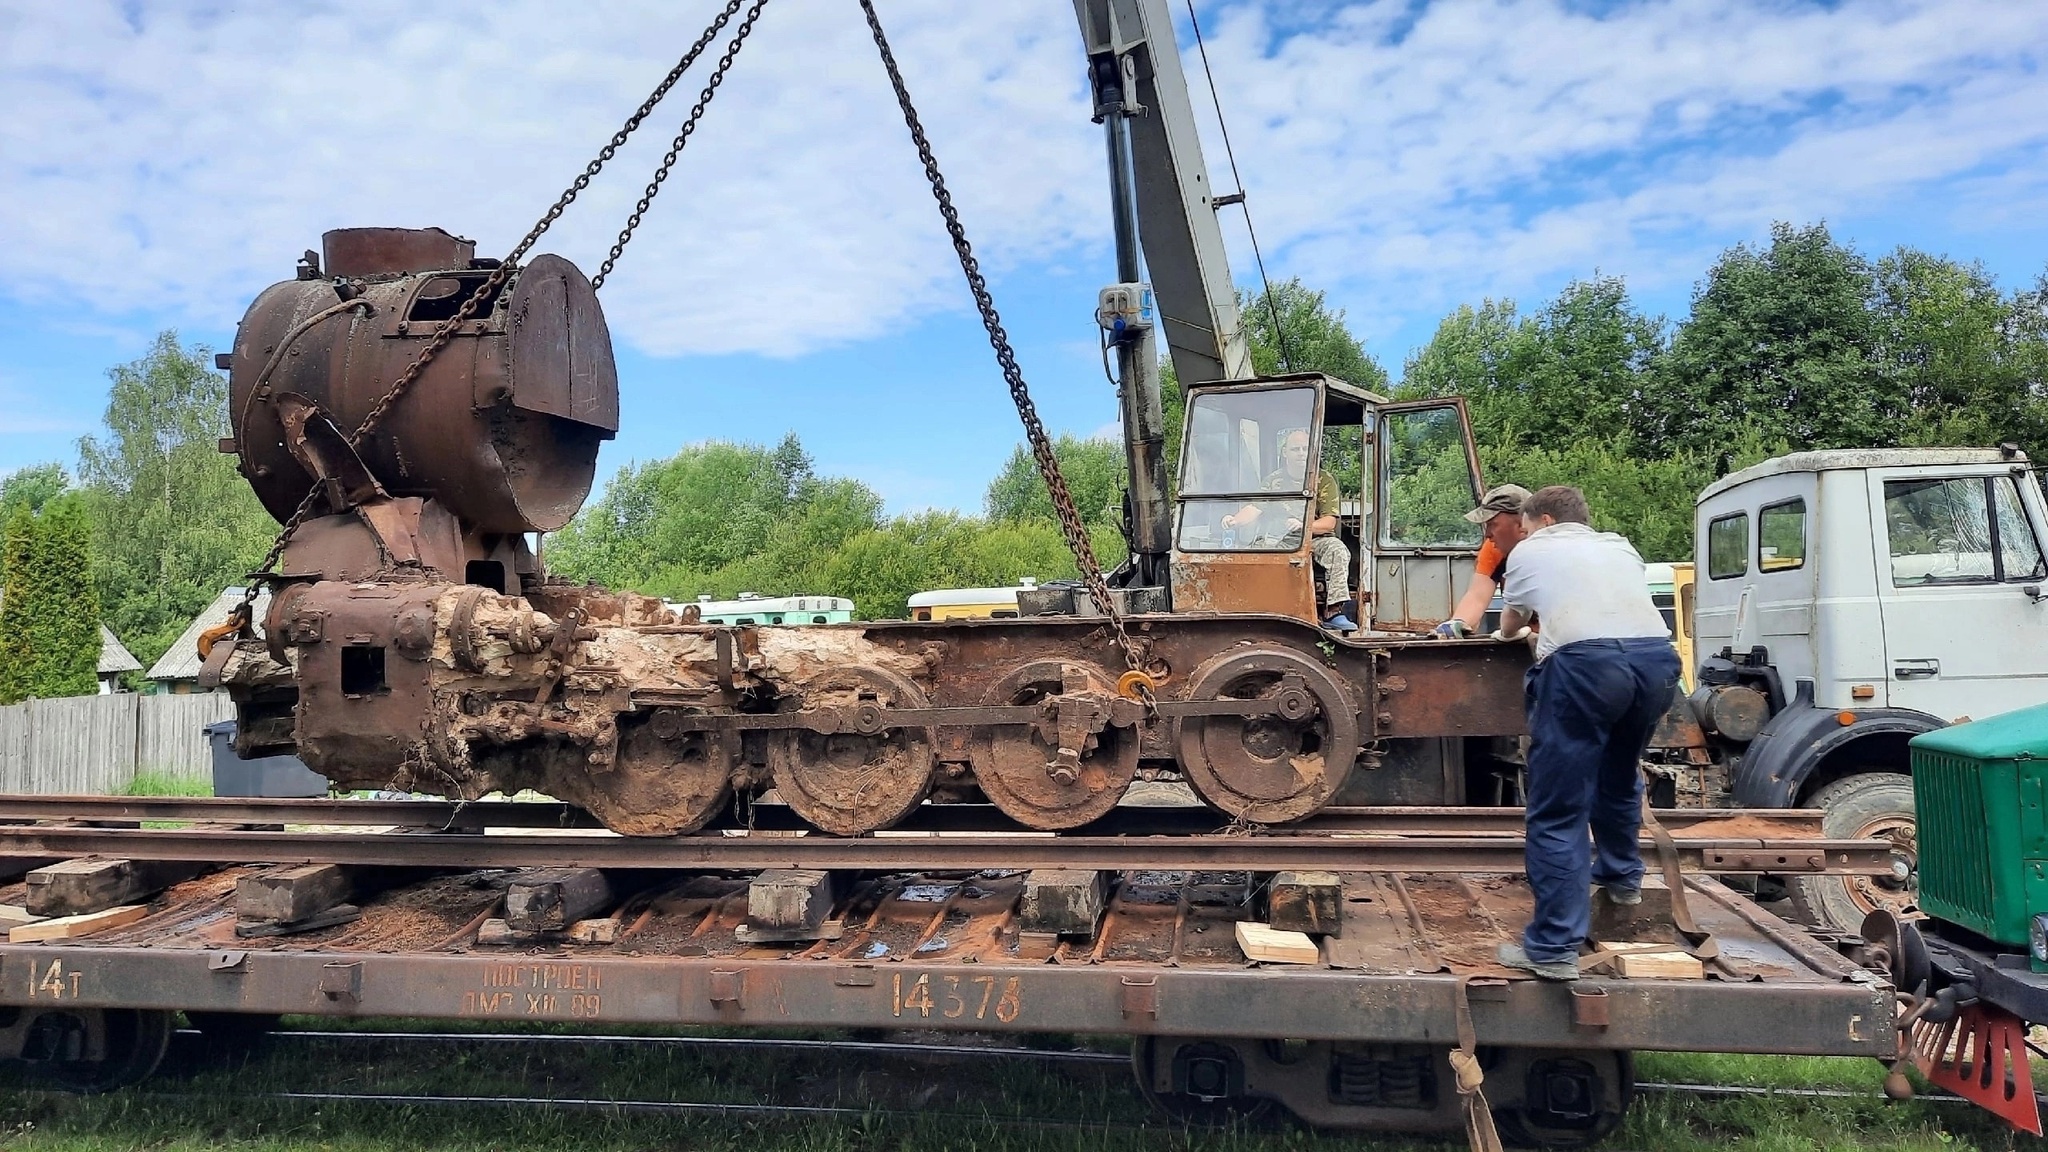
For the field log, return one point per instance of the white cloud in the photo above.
(172, 158)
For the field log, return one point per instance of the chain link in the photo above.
(1041, 445)
(682, 139)
(496, 281)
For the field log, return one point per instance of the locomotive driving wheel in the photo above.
(866, 775)
(1068, 768)
(667, 779)
(1280, 765)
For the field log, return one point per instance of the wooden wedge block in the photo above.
(494, 931)
(289, 895)
(76, 887)
(552, 899)
(1263, 944)
(786, 900)
(71, 927)
(1305, 902)
(13, 914)
(605, 931)
(1063, 901)
(1656, 960)
(1661, 966)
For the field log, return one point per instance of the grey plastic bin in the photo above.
(265, 776)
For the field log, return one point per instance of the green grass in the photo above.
(167, 784)
(959, 1104)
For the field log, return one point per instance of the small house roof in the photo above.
(181, 660)
(115, 657)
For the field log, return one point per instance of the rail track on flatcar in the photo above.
(247, 831)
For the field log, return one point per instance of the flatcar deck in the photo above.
(929, 930)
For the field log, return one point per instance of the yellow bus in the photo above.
(969, 603)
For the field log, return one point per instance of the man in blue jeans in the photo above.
(1604, 672)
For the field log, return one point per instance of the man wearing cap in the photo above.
(1500, 515)
(1605, 671)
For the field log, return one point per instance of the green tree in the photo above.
(1783, 338)
(174, 521)
(1580, 363)
(50, 617)
(1093, 469)
(1969, 359)
(32, 488)
(708, 506)
(883, 568)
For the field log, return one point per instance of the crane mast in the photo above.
(1162, 205)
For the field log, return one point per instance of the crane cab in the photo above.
(1254, 454)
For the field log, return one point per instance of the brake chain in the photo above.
(1034, 431)
(445, 332)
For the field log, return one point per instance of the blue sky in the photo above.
(163, 162)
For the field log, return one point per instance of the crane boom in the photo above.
(1137, 76)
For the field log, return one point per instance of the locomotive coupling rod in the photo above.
(1262, 853)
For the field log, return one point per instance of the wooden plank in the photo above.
(1653, 959)
(288, 895)
(170, 733)
(13, 914)
(1305, 902)
(1258, 942)
(1063, 901)
(604, 931)
(71, 927)
(78, 887)
(552, 899)
(784, 900)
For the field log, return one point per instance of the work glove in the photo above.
(1452, 629)
(1521, 633)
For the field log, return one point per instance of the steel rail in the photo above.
(1130, 820)
(966, 852)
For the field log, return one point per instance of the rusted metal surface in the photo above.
(415, 643)
(1759, 824)
(608, 701)
(943, 952)
(503, 428)
(1271, 852)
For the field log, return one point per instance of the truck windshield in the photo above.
(1959, 530)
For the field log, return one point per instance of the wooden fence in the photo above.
(98, 744)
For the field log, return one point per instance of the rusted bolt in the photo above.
(403, 325)
(1061, 774)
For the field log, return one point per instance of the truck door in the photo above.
(1250, 454)
(1960, 569)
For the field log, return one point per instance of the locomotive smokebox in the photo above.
(503, 426)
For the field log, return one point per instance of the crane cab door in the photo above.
(1248, 457)
(1426, 478)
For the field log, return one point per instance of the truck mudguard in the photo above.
(1795, 741)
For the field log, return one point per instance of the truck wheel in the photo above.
(1869, 805)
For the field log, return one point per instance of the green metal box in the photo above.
(1981, 795)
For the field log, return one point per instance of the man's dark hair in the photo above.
(1561, 502)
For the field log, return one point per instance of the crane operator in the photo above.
(1330, 552)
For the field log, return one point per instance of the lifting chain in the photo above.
(241, 614)
(1041, 446)
(682, 140)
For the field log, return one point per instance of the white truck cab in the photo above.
(1848, 601)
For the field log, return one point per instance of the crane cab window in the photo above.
(1728, 546)
(1960, 530)
(1781, 536)
(1428, 480)
(1246, 469)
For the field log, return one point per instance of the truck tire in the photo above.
(1867, 805)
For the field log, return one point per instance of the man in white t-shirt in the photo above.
(1605, 671)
